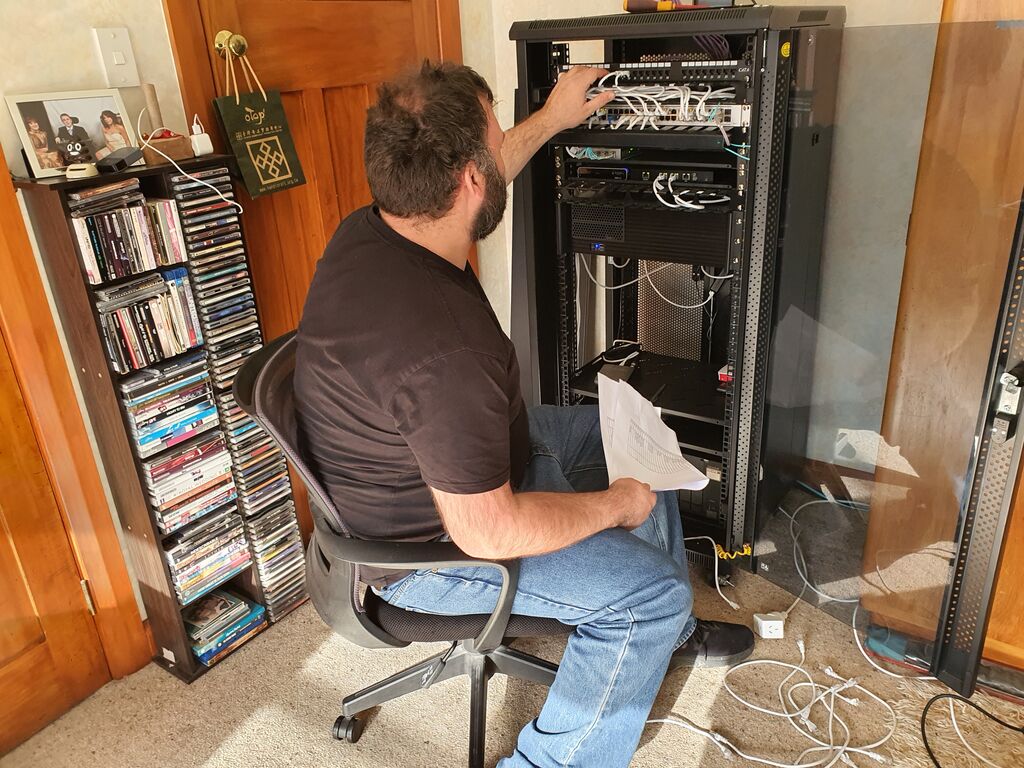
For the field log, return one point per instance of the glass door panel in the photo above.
(898, 507)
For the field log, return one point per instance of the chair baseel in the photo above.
(461, 658)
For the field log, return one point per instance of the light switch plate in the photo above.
(114, 47)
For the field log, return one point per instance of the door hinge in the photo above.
(88, 597)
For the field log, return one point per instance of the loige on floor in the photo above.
(273, 703)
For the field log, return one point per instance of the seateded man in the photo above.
(408, 398)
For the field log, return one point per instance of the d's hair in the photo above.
(115, 119)
(423, 130)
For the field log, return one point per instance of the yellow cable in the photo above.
(744, 552)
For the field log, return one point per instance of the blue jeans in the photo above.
(627, 593)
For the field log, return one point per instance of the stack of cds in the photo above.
(265, 500)
(93, 201)
(207, 553)
(166, 228)
(120, 234)
(220, 622)
(260, 469)
(277, 551)
(261, 474)
(190, 481)
(226, 309)
(220, 273)
(169, 404)
(148, 319)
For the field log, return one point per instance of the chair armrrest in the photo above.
(263, 389)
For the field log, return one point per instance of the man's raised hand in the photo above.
(568, 105)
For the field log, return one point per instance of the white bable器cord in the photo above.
(714, 554)
(872, 662)
(800, 563)
(145, 143)
(599, 284)
(657, 188)
(714, 276)
(822, 698)
(647, 274)
(714, 738)
(677, 196)
(713, 200)
(956, 728)
(663, 183)
(647, 102)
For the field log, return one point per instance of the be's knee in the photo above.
(678, 595)
(669, 593)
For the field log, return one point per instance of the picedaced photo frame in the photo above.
(68, 127)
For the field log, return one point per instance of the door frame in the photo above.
(196, 80)
(59, 425)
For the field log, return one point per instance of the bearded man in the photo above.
(409, 406)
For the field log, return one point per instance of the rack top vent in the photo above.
(666, 24)
(694, 16)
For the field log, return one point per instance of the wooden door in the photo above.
(326, 57)
(50, 652)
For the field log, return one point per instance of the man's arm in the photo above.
(500, 524)
(566, 107)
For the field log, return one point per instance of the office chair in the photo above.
(263, 389)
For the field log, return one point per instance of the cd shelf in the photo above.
(150, 277)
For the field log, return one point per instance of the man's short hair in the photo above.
(423, 130)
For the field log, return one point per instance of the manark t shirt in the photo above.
(404, 379)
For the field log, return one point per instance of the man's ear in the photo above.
(474, 180)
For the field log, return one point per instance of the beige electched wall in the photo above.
(48, 46)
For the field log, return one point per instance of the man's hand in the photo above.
(568, 106)
(634, 499)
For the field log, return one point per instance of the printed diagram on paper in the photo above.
(638, 444)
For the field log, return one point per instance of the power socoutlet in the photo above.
(770, 626)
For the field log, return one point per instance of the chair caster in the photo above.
(348, 729)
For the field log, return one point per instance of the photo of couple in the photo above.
(59, 130)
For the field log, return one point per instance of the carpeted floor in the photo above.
(272, 704)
